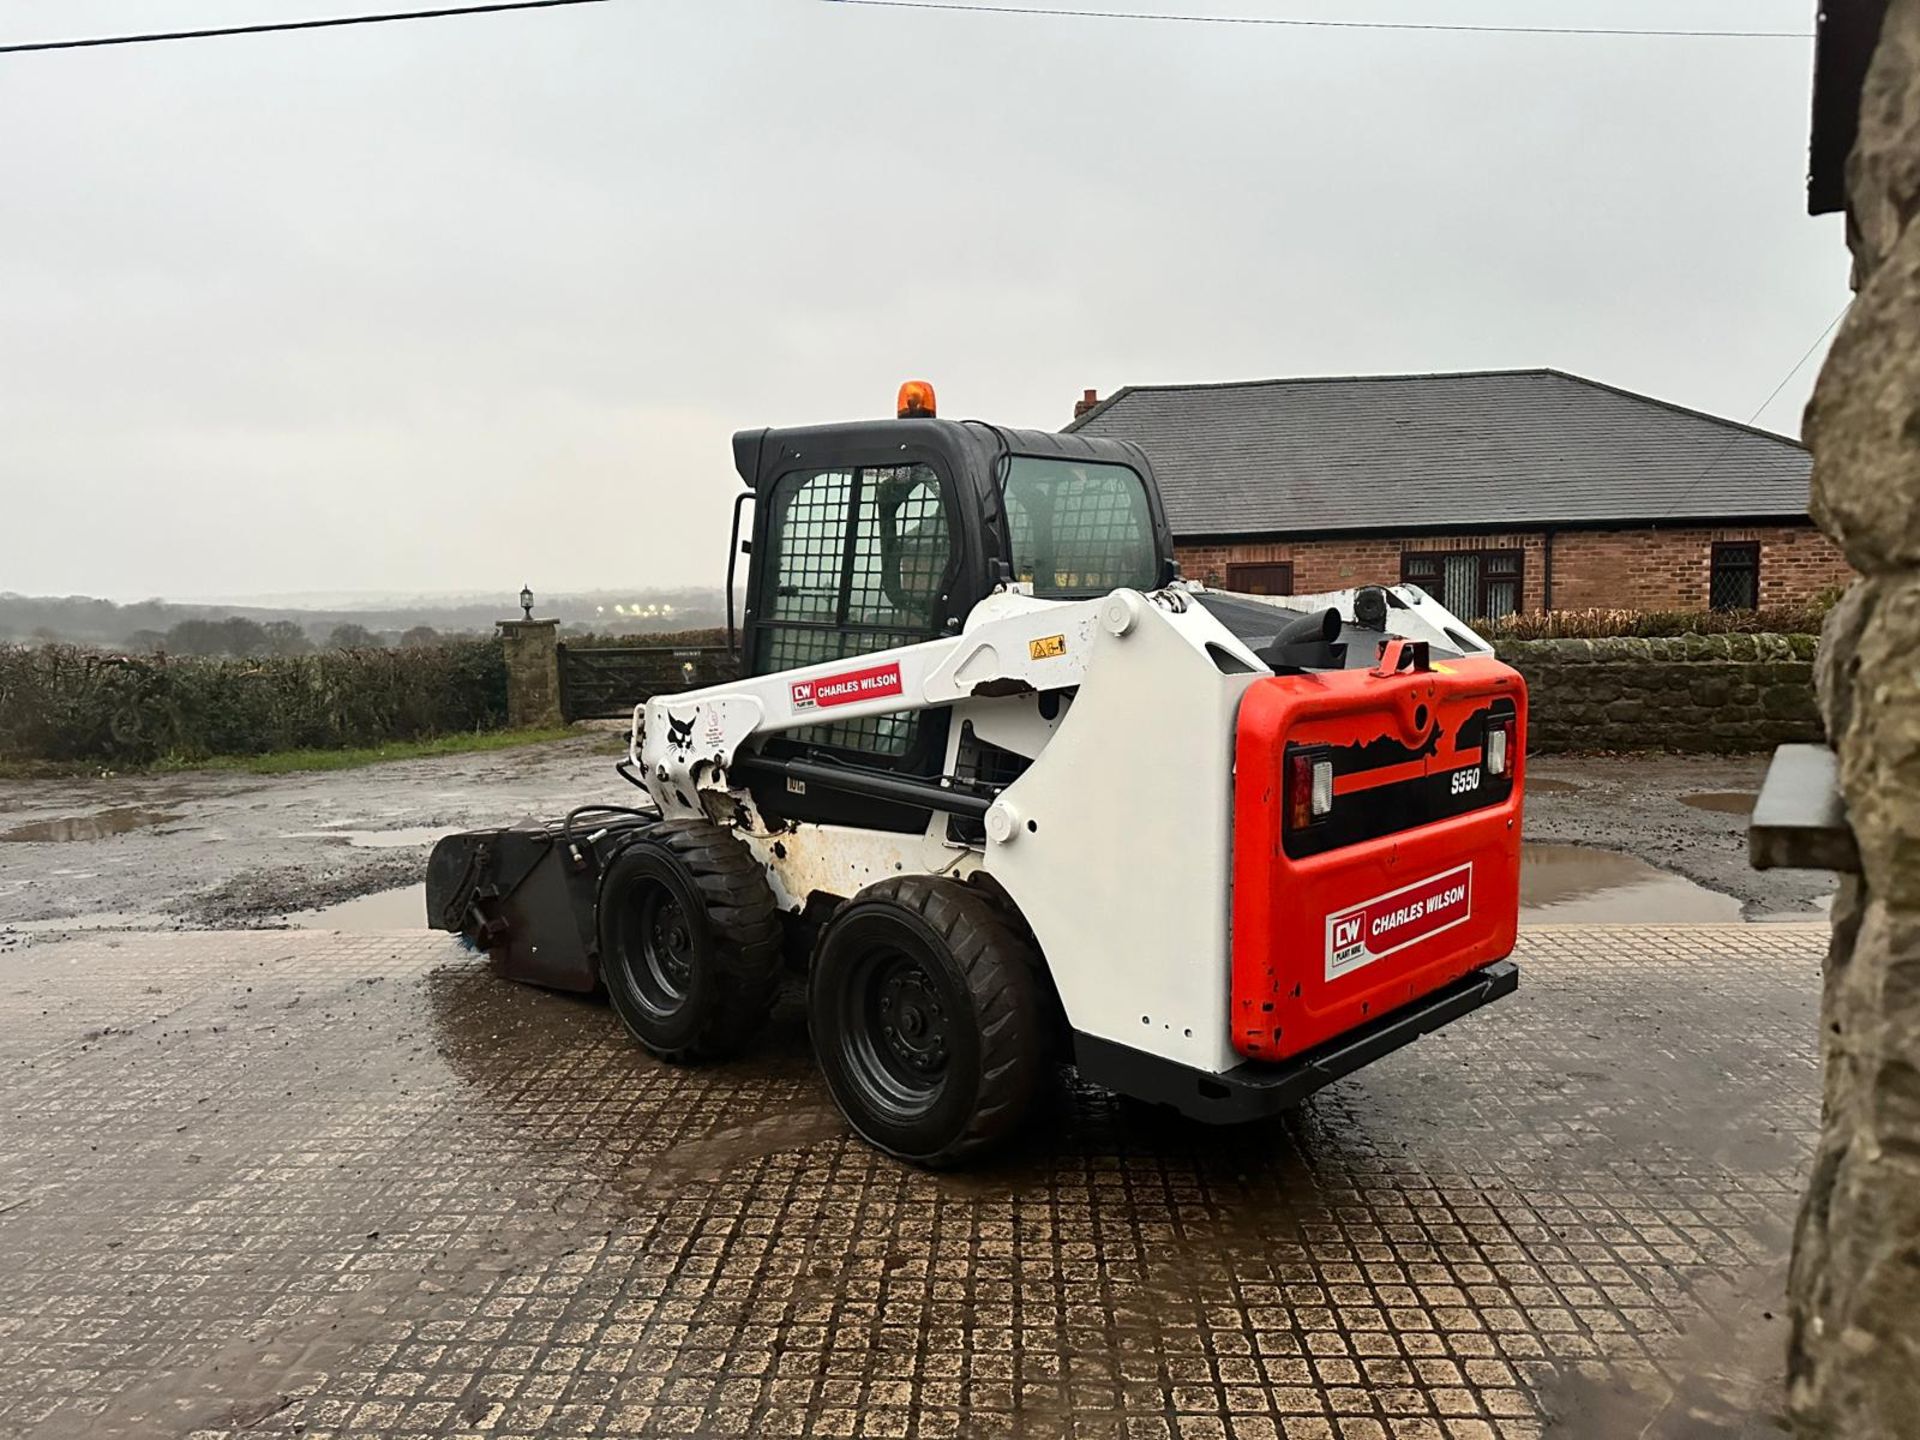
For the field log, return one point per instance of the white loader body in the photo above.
(1115, 844)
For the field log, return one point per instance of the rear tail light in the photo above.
(1309, 787)
(1500, 731)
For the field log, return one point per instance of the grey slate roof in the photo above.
(1404, 452)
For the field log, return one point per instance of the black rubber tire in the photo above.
(908, 965)
(701, 990)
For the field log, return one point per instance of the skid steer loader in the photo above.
(1009, 792)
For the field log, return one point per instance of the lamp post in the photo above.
(526, 602)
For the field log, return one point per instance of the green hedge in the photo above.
(1653, 624)
(679, 639)
(61, 702)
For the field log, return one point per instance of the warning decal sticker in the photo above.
(871, 684)
(1047, 647)
(1390, 922)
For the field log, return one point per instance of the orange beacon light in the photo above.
(916, 401)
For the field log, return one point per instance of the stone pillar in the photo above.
(1854, 1356)
(533, 673)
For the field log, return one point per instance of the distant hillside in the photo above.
(83, 620)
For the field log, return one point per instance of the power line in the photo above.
(1737, 437)
(328, 24)
(95, 42)
(955, 5)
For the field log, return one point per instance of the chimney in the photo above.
(1085, 403)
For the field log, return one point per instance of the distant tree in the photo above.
(147, 642)
(235, 635)
(197, 637)
(285, 637)
(243, 637)
(351, 637)
(419, 637)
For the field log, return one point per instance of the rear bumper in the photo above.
(1257, 1088)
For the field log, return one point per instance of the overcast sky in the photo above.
(457, 304)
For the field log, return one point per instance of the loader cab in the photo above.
(877, 534)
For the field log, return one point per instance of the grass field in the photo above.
(287, 762)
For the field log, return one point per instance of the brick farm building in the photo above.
(1496, 491)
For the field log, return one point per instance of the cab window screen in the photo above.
(811, 529)
(1079, 528)
(858, 562)
(900, 548)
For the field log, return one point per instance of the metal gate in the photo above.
(605, 682)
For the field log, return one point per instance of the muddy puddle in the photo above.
(1570, 884)
(385, 910)
(71, 828)
(1722, 802)
(374, 839)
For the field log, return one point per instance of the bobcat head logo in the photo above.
(680, 733)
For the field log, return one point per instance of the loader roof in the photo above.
(1407, 452)
(762, 456)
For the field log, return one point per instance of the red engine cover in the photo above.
(1410, 882)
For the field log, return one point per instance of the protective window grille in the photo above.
(1078, 528)
(1474, 584)
(1500, 584)
(1734, 579)
(861, 559)
(812, 540)
(900, 548)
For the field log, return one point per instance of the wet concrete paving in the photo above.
(303, 1183)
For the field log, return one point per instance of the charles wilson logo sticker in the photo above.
(873, 683)
(1366, 932)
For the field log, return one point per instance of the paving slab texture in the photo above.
(278, 1183)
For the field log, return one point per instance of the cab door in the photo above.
(852, 559)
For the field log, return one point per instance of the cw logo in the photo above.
(1346, 932)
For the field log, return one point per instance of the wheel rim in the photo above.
(899, 1035)
(663, 944)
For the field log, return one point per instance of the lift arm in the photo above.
(1013, 644)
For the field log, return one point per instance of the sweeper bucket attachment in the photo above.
(527, 894)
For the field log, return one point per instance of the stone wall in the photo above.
(1706, 693)
(1854, 1360)
(1642, 569)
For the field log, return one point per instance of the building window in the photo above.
(1272, 578)
(1474, 584)
(1735, 581)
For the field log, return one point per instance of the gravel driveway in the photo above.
(219, 849)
